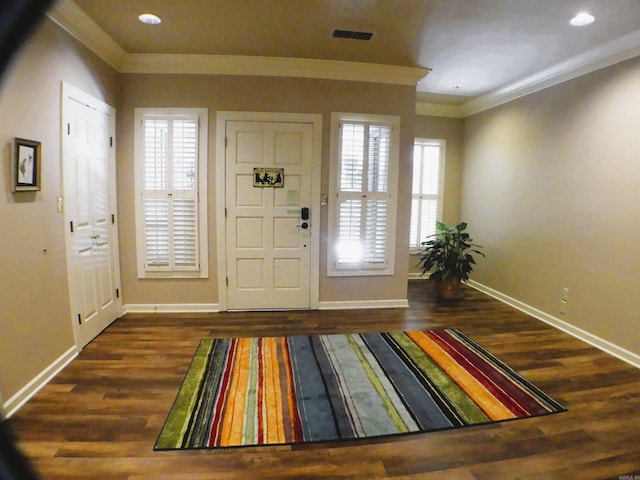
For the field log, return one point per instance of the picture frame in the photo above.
(268, 177)
(26, 165)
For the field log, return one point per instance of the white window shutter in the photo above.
(352, 158)
(428, 174)
(171, 193)
(375, 236)
(185, 233)
(363, 222)
(379, 156)
(156, 225)
(349, 248)
(185, 154)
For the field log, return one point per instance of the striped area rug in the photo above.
(285, 390)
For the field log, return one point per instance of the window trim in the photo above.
(360, 269)
(441, 175)
(203, 128)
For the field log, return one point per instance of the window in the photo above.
(426, 198)
(363, 194)
(171, 170)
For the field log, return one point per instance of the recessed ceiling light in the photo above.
(582, 19)
(457, 86)
(150, 19)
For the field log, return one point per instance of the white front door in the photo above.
(90, 222)
(268, 242)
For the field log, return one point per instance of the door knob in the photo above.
(303, 226)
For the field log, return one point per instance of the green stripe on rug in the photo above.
(455, 396)
(250, 427)
(377, 385)
(177, 423)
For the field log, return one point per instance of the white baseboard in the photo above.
(14, 404)
(593, 340)
(361, 304)
(173, 308)
(418, 276)
(215, 308)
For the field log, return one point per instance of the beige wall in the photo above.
(35, 320)
(451, 130)
(551, 189)
(259, 94)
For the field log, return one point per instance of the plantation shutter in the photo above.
(170, 194)
(425, 194)
(363, 196)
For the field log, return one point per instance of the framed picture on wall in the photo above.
(26, 165)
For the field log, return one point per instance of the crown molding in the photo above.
(83, 28)
(271, 67)
(610, 53)
(86, 30)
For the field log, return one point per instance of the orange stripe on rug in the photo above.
(294, 419)
(233, 426)
(272, 413)
(492, 407)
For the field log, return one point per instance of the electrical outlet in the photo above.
(564, 301)
(563, 307)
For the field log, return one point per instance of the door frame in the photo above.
(315, 120)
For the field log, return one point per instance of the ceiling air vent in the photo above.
(352, 35)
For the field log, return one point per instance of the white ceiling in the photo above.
(487, 46)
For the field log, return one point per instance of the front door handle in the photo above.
(303, 225)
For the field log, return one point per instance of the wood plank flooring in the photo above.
(99, 418)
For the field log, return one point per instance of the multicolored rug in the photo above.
(285, 390)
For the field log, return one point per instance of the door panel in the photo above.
(89, 180)
(268, 252)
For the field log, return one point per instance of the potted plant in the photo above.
(448, 256)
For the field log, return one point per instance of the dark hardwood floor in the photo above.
(99, 418)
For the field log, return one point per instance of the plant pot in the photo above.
(449, 289)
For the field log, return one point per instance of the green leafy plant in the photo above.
(448, 253)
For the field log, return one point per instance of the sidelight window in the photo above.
(426, 192)
(171, 192)
(363, 195)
